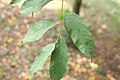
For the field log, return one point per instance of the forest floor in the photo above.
(103, 20)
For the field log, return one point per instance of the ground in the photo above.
(103, 20)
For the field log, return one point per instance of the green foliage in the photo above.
(75, 27)
(79, 33)
(14, 1)
(41, 58)
(31, 6)
(59, 60)
(61, 13)
(38, 29)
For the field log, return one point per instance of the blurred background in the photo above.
(103, 20)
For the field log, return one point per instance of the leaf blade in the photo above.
(14, 1)
(38, 29)
(31, 6)
(41, 58)
(59, 59)
(79, 33)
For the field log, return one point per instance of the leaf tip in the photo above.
(20, 43)
(30, 75)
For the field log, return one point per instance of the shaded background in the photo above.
(103, 20)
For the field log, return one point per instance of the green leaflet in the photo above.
(14, 1)
(38, 29)
(41, 58)
(79, 33)
(31, 6)
(27, 7)
(59, 59)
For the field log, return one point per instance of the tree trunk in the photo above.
(76, 6)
